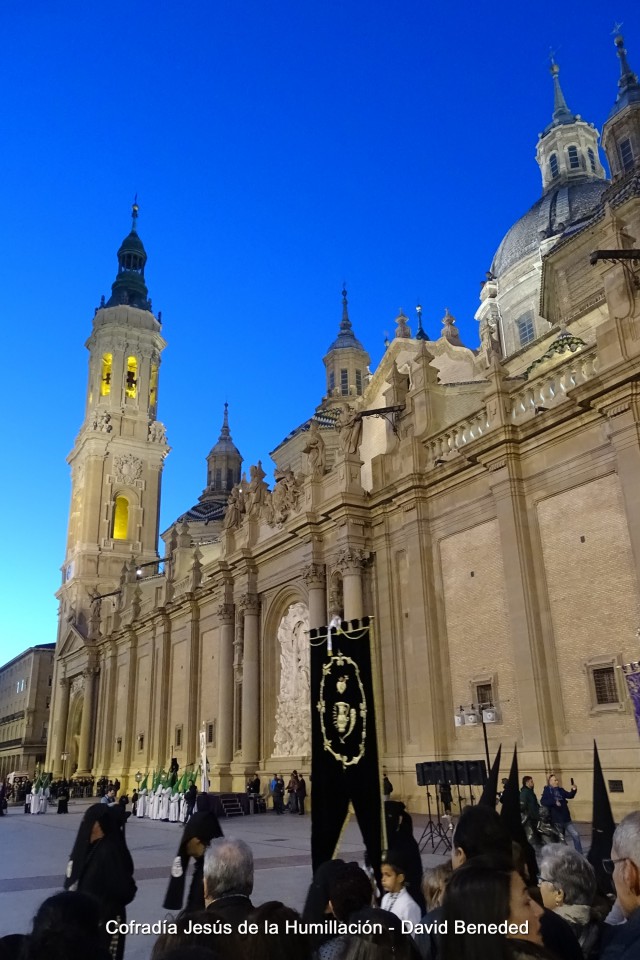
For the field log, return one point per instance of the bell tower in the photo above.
(117, 459)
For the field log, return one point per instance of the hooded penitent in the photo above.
(603, 827)
(205, 828)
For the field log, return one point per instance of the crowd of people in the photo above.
(484, 904)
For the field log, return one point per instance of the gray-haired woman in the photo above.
(568, 886)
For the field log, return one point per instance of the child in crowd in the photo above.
(434, 882)
(396, 898)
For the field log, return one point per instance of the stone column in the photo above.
(250, 605)
(314, 578)
(86, 724)
(62, 718)
(350, 562)
(225, 614)
(108, 692)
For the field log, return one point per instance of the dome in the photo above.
(132, 244)
(559, 212)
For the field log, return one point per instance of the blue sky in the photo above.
(276, 150)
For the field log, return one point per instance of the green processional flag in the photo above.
(344, 748)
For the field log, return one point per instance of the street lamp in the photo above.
(138, 778)
(64, 756)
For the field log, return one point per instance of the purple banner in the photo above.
(633, 683)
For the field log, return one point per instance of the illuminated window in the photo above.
(626, 155)
(344, 382)
(359, 382)
(553, 165)
(105, 380)
(121, 519)
(574, 159)
(592, 160)
(153, 387)
(131, 382)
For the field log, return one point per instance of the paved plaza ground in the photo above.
(35, 851)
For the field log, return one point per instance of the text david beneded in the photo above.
(329, 926)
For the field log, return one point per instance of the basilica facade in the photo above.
(481, 504)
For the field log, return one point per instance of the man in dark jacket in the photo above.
(530, 810)
(301, 793)
(554, 797)
(623, 943)
(228, 880)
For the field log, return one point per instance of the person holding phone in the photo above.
(554, 797)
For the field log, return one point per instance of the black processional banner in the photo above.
(344, 747)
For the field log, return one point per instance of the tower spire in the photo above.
(345, 323)
(134, 214)
(420, 335)
(629, 88)
(561, 112)
(224, 432)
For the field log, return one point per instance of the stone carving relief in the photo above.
(127, 468)
(315, 451)
(293, 712)
(258, 490)
(285, 497)
(236, 509)
(157, 432)
(490, 341)
(101, 422)
(77, 684)
(349, 427)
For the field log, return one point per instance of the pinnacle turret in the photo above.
(129, 287)
(628, 85)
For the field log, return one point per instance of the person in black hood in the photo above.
(198, 833)
(101, 865)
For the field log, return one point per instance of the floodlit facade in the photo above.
(481, 504)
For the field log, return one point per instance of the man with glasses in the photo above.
(624, 867)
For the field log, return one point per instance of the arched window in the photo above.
(592, 160)
(105, 379)
(120, 518)
(131, 382)
(574, 159)
(153, 389)
(553, 165)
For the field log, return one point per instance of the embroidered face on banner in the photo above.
(342, 706)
